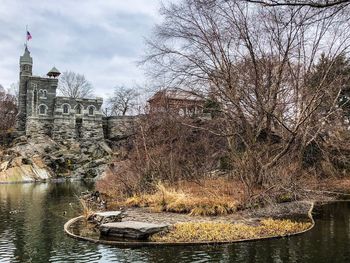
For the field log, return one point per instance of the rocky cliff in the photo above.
(41, 158)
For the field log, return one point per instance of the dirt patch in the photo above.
(292, 209)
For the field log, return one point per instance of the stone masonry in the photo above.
(59, 136)
(42, 112)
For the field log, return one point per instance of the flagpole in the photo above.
(26, 36)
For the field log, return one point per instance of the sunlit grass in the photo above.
(87, 211)
(170, 200)
(221, 231)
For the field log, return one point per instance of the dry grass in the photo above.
(119, 181)
(190, 200)
(87, 211)
(217, 231)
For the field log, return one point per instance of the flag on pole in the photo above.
(29, 36)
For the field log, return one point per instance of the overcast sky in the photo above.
(102, 39)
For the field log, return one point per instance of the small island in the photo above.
(186, 123)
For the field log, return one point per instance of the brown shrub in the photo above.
(185, 200)
(8, 111)
(166, 150)
(185, 153)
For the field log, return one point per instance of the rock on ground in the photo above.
(106, 217)
(131, 229)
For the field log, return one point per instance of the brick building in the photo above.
(178, 101)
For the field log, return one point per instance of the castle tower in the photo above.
(42, 113)
(26, 65)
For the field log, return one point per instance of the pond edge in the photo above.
(133, 244)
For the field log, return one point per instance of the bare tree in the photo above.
(14, 90)
(8, 110)
(305, 3)
(256, 62)
(123, 100)
(74, 85)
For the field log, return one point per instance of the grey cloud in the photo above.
(101, 39)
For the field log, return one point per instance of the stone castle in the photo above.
(60, 136)
(41, 111)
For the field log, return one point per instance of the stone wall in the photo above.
(26, 65)
(63, 128)
(39, 126)
(41, 91)
(22, 98)
(119, 127)
(92, 128)
(77, 119)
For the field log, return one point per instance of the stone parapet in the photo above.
(92, 129)
(117, 127)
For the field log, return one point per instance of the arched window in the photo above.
(78, 109)
(42, 94)
(91, 110)
(65, 109)
(42, 109)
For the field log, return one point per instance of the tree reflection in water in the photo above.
(31, 230)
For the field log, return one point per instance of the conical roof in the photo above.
(26, 58)
(54, 72)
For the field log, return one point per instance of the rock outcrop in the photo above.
(131, 229)
(99, 218)
(41, 158)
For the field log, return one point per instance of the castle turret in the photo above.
(53, 73)
(26, 65)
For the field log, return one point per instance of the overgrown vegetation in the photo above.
(172, 165)
(278, 95)
(170, 200)
(163, 150)
(219, 231)
(86, 209)
(8, 111)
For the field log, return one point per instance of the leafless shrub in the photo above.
(123, 101)
(167, 150)
(260, 65)
(8, 111)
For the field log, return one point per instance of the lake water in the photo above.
(31, 230)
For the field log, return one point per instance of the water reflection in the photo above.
(32, 218)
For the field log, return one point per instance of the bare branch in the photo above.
(74, 85)
(123, 100)
(305, 3)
